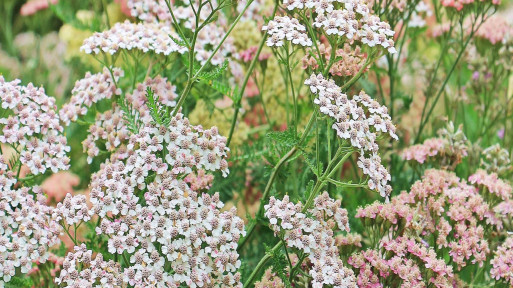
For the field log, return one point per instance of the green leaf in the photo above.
(130, 116)
(215, 73)
(159, 113)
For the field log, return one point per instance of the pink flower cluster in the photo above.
(493, 184)
(396, 214)
(130, 36)
(313, 233)
(248, 55)
(449, 148)
(285, 28)
(420, 152)
(33, 129)
(88, 91)
(27, 230)
(460, 4)
(359, 120)
(406, 259)
(502, 262)
(80, 269)
(453, 210)
(496, 29)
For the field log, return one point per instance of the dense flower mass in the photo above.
(308, 94)
(33, 129)
(406, 259)
(353, 21)
(502, 262)
(314, 236)
(27, 229)
(188, 228)
(93, 272)
(128, 36)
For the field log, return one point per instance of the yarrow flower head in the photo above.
(143, 188)
(460, 210)
(33, 128)
(406, 260)
(448, 149)
(144, 37)
(502, 262)
(461, 4)
(93, 271)
(209, 37)
(27, 229)
(72, 210)
(285, 28)
(358, 120)
(352, 20)
(88, 91)
(312, 232)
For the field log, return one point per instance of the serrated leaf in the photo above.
(130, 116)
(215, 73)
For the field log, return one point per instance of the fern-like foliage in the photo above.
(160, 114)
(130, 116)
(280, 265)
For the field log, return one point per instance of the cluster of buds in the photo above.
(496, 159)
(350, 60)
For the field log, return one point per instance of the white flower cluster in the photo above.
(79, 269)
(353, 20)
(27, 230)
(72, 210)
(359, 120)
(314, 236)
(88, 91)
(33, 128)
(173, 236)
(145, 37)
(281, 28)
(110, 126)
(156, 11)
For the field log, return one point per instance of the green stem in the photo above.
(270, 182)
(246, 79)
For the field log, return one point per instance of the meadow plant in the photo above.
(213, 143)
